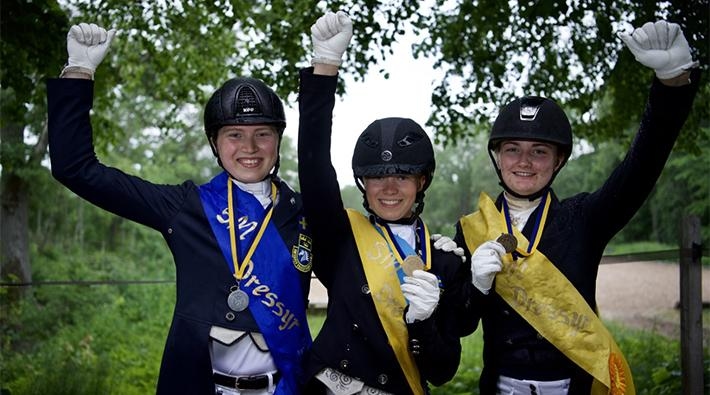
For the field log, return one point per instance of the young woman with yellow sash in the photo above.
(392, 299)
(535, 257)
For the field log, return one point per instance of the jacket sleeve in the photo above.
(320, 191)
(610, 207)
(75, 165)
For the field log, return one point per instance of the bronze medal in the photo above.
(508, 241)
(238, 300)
(412, 263)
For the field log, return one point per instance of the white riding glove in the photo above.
(331, 35)
(447, 244)
(485, 263)
(422, 291)
(87, 45)
(660, 46)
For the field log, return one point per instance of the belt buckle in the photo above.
(236, 383)
(251, 382)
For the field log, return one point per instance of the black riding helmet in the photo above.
(531, 118)
(392, 146)
(244, 101)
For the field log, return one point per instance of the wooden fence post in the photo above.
(691, 322)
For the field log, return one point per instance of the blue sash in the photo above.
(272, 283)
(402, 247)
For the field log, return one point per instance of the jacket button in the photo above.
(506, 312)
(414, 346)
(347, 347)
(356, 328)
(344, 364)
(170, 231)
(539, 336)
(230, 316)
(365, 289)
(382, 379)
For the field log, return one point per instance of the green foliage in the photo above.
(169, 57)
(27, 55)
(636, 247)
(316, 318)
(654, 360)
(86, 339)
(110, 336)
(352, 198)
(493, 51)
(462, 173)
(288, 170)
(470, 368)
(683, 189)
(67, 376)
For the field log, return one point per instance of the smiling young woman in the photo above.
(391, 327)
(527, 166)
(392, 197)
(537, 294)
(239, 241)
(248, 152)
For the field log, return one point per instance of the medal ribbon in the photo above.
(550, 303)
(238, 268)
(540, 220)
(422, 235)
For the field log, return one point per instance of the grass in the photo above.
(648, 246)
(635, 247)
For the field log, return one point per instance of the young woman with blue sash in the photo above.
(240, 243)
(393, 300)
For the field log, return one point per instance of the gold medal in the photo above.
(412, 263)
(508, 241)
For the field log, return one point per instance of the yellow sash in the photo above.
(378, 263)
(545, 298)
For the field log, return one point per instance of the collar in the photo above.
(261, 190)
(520, 209)
(405, 232)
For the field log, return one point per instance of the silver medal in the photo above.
(238, 300)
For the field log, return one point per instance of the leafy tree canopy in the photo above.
(492, 51)
(172, 54)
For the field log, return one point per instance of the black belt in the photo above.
(245, 383)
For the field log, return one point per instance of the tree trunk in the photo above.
(14, 241)
(14, 205)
